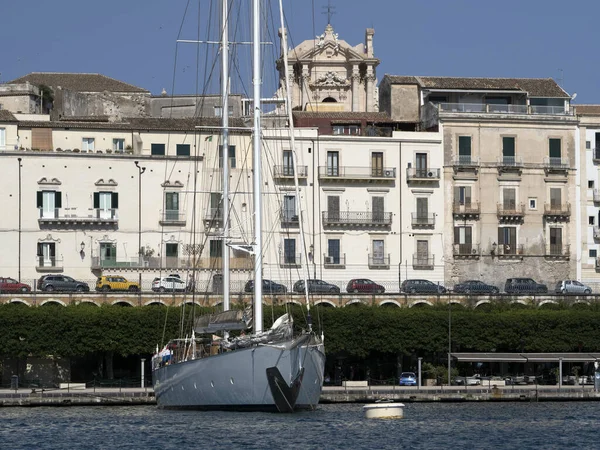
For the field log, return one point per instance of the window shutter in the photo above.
(555, 150)
(114, 200)
(40, 249)
(40, 199)
(96, 200)
(508, 146)
(468, 195)
(457, 235)
(58, 199)
(468, 235)
(464, 145)
(456, 195)
(501, 236)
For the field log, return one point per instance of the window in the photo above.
(289, 209)
(2, 138)
(333, 164)
(422, 211)
(219, 111)
(108, 254)
(216, 249)
(422, 253)
(464, 149)
(555, 241)
(532, 203)
(157, 149)
(592, 253)
(46, 253)
(591, 220)
(231, 156)
(289, 251)
(106, 204)
(555, 198)
(216, 212)
(183, 150)
(377, 164)
(49, 202)
(554, 151)
(462, 195)
(507, 240)
(438, 99)
(351, 130)
(87, 144)
(288, 163)
(590, 184)
(378, 209)
(509, 199)
(378, 252)
(172, 250)
(421, 165)
(333, 208)
(118, 145)
(171, 205)
(463, 239)
(588, 145)
(508, 151)
(333, 251)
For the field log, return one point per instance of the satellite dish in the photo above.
(574, 96)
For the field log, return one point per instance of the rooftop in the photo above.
(79, 82)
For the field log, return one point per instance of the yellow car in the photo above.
(116, 283)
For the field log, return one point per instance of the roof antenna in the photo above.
(561, 80)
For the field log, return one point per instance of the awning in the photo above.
(525, 357)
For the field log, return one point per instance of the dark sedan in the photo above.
(316, 286)
(475, 287)
(268, 287)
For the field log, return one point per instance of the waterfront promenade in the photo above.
(330, 394)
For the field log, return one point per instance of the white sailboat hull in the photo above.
(243, 379)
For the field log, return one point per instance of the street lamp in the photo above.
(141, 170)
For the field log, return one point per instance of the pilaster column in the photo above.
(304, 89)
(355, 88)
(370, 82)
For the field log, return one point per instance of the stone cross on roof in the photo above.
(330, 11)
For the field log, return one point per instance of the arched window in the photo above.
(329, 100)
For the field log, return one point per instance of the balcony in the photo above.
(284, 172)
(484, 108)
(557, 212)
(466, 251)
(470, 210)
(379, 262)
(596, 155)
(507, 251)
(557, 251)
(465, 161)
(289, 219)
(334, 261)
(371, 174)
(423, 221)
(511, 212)
(596, 195)
(556, 165)
(72, 217)
(421, 262)
(235, 263)
(359, 219)
(213, 218)
(510, 164)
(428, 175)
(134, 262)
(49, 264)
(290, 260)
(172, 217)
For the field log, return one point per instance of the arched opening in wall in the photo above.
(122, 303)
(329, 100)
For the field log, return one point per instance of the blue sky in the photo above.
(134, 40)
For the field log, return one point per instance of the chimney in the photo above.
(369, 42)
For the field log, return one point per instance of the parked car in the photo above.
(364, 285)
(422, 287)
(168, 284)
(524, 286)
(12, 285)
(408, 379)
(50, 283)
(475, 287)
(116, 283)
(316, 286)
(467, 381)
(572, 287)
(268, 287)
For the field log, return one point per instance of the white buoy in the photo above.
(384, 410)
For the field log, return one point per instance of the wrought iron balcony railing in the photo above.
(357, 173)
(558, 250)
(290, 259)
(485, 108)
(422, 220)
(557, 209)
(289, 219)
(423, 262)
(511, 210)
(379, 261)
(556, 163)
(172, 217)
(466, 250)
(510, 161)
(345, 218)
(428, 174)
(49, 264)
(509, 250)
(466, 161)
(288, 171)
(471, 208)
(75, 215)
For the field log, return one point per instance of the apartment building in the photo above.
(589, 191)
(510, 160)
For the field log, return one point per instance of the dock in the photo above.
(331, 394)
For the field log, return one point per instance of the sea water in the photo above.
(341, 426)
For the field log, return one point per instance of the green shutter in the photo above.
(508, 146)
(555, 151)
(464, 145)
(114, 200)
(58, 199)
(40, 199)
(96, 200)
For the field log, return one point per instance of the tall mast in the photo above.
(257, 163)
(225, 155)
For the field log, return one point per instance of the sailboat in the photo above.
(268, 370)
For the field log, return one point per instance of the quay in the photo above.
(330, 394)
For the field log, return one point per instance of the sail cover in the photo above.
(226, 320)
